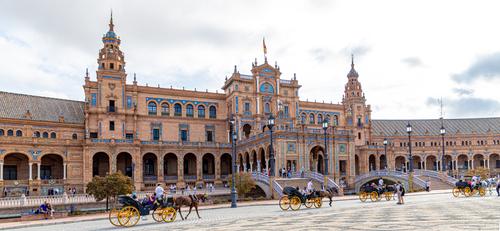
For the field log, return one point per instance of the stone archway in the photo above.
(431, 163)
(225, 165)
(149, 164)
(371, 163)
(100, 164)
(417, 162)
(124, 164)
(263, 163)
(170, 167)
(462, 162)
(400, 163)
(208, 166)
(247, 162)
(247, 130)
(254, 160)
(356, 164)
(494, 163)
(316, 159)
(190, 166)
(478, 161)
(382, 162)
(51, 167)
(16, 167)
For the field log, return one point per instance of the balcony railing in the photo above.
(112, 109)
(189, 177)
(169, 178)
(15, 182)
(150, 178)
(208, 177)
(52, 182)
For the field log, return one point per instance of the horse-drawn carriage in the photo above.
(468, 189)
(293, 199)
(375, 194)
(131, 211)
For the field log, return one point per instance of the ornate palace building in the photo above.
(176, 136)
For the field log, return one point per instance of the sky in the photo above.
(409, 54)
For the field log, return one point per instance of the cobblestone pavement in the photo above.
(423, 212)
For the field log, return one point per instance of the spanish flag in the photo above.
(264, 45)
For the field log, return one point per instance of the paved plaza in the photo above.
(421, 212)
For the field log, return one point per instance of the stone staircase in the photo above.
(436, 184)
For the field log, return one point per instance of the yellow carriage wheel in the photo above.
(482, 192)
(295, 203)
(363, 196)
(374, 196)
(157, 214)
(113, 217)
(284, 202)
(128, 216)
(318, 202)
(467, 192)
(169, 214)
(455, 191)
(309, 203)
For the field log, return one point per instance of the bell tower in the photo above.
(111, 59)
(358, 114)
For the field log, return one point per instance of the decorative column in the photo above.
(1, 170)
(64, 171)
(31, 171)
(38, 165)
(160, 170)
(258, 166)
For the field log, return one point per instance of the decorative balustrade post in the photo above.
(64, 171)
(31, 171)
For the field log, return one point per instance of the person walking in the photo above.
(498, 187)
(399, 192)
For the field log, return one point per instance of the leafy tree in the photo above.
(110, 186)
(244, 183)
(482, 172)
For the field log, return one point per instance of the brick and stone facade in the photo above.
(177, 136)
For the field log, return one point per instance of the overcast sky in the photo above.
(408, 53)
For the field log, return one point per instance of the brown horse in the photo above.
(188, 201)
(329, 192)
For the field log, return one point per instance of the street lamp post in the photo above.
(443, 132)
(410, 177)
(270, 125)
(325, 128)
(385, 151)
(233, 137)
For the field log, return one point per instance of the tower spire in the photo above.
(352, 60)
(111, 25)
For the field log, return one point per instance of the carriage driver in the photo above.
(159, 192)
(380, 182)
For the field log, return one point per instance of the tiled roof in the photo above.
(15, 106)
(432, 127)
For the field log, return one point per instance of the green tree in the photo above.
(244, 183)
(110, 186)
(482, 172)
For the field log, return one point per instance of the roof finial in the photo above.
(135, 79)
(235, 69)
(87, 72)
(111, 25)
(352, 60)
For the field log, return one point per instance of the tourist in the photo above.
(428, 185)
(5, 192)
(159, 191)
(399, 192)
(380, 182)
(498, 187)
(310, 188)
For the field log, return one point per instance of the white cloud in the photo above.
(47, 45)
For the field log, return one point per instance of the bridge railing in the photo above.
(438, 175)
(23, 201)
(320, 177)
(397, 174)
(260, 177)
(277, 187)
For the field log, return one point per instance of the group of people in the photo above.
(46, 209)
(285, 173)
